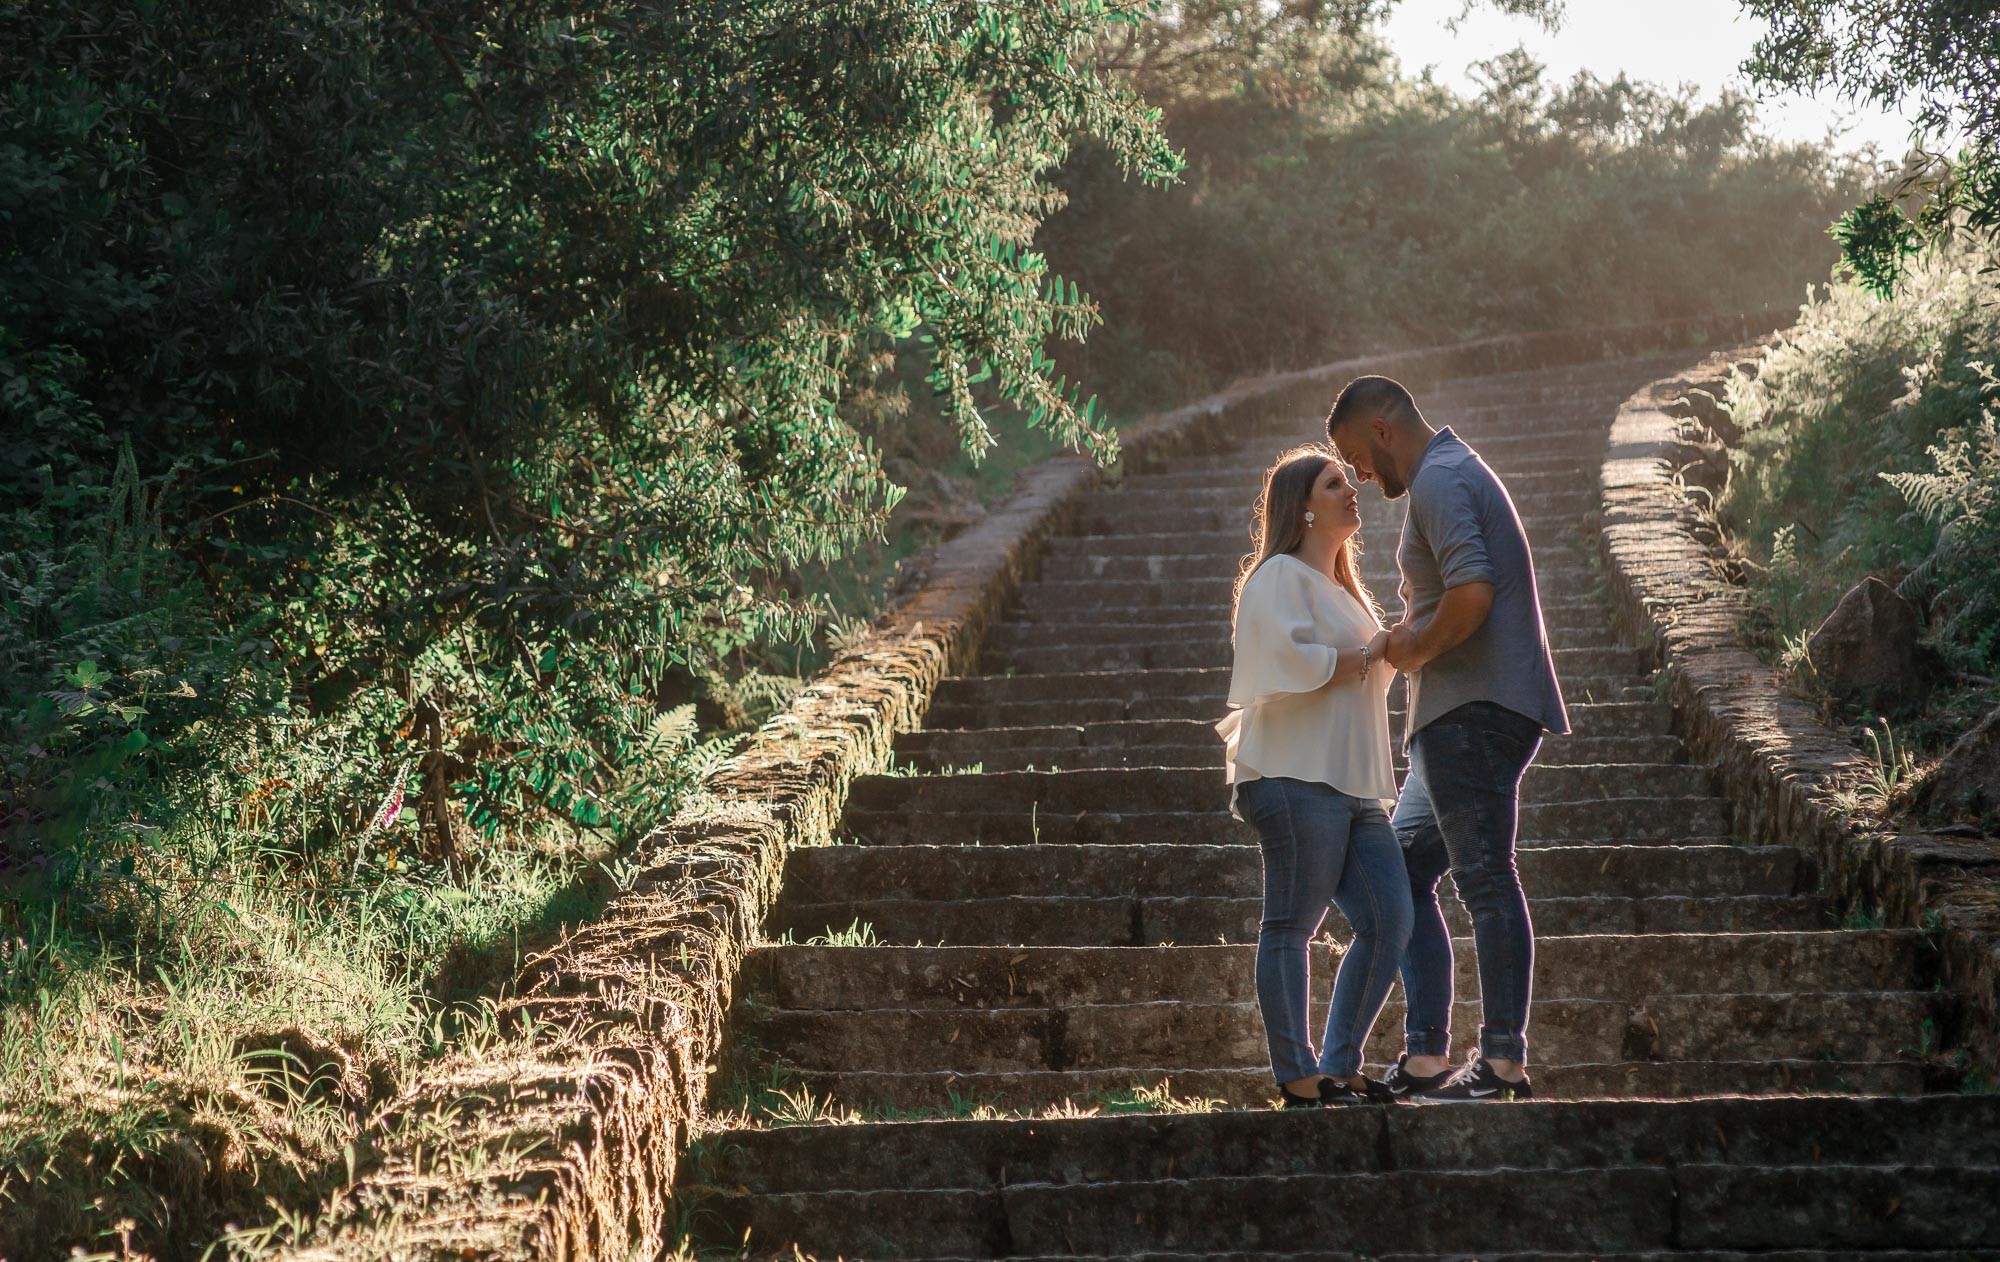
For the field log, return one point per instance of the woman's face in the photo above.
(1334, 503)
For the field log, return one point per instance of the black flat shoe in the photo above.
(1337, 1093)
(1290, 1101)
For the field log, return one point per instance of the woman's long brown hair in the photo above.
(1278, 522)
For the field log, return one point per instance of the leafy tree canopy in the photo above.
(1940, 56)
(483, 358)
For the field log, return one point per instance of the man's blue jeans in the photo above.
(1459, 813)
(1322, 846)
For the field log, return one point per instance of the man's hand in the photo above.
(1399, 647)
(1458, 615)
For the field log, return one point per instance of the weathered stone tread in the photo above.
(1725, 1073)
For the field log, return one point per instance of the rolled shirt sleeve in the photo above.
(1447, 514)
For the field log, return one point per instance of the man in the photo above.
(1482, 692)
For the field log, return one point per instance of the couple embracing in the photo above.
(1307, 750)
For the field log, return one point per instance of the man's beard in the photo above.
(1393, 487)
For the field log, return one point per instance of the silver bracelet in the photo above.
(1365, 663)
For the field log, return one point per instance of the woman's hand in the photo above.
(1378, 650)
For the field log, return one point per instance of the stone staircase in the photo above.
(1052, 1029)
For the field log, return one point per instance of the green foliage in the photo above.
(1961, 501)
(1868, 449)
(1340, 208)
(410, 418)
(1938, 58)
(1876, 241)
(524, 337)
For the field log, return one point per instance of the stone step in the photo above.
(1591, 723)
(1216, 591)
(1210, 647)
(1199, 637)
(1853, 1026)
(1069, 978)
(1127, 920)
(1573, 421)
(1247, 466)
(1657, 1207)
(1552, 510)
(1193, 789)
(1535, 1135)
(1566, 612)
(1622, 722)
(993, 752)
(1552, 565)
(1525, 487)
(1611, 821)
(1588, 691)
(1166, 741)
(1574, 418)
(1606, 669)
(1197, 593)
(948, 1093)
(823, 875)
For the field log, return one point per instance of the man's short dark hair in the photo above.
(1366, 397)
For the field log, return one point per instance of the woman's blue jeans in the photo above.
(1459, 813)
(1324, 847)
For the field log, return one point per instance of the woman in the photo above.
(1307, 748)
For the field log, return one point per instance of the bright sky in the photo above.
(1701, 42)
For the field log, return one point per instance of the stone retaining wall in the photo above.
(563, 1138)
(1782, 768)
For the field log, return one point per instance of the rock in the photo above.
(1966, 785)
(1867, 650)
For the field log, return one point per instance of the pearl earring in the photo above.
(1309, 519)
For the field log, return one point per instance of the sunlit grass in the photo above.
(244, 1026)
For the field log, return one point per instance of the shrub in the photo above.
(1961, 501)
(1866, 449)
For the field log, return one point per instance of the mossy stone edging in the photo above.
(1783, 770)
(562, 1138)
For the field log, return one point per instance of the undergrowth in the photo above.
(1871, 446)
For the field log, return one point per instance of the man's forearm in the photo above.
(1462, 611)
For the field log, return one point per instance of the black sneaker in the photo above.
(1402, 1084)
(1475, 1082)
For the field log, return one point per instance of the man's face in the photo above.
(1364, 446)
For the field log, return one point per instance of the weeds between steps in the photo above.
(906, 771)
(1892, 769)
(859, 933)
(780, 1099)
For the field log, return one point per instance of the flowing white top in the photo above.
(1285, 718)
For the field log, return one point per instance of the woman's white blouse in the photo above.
(1285, 718)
